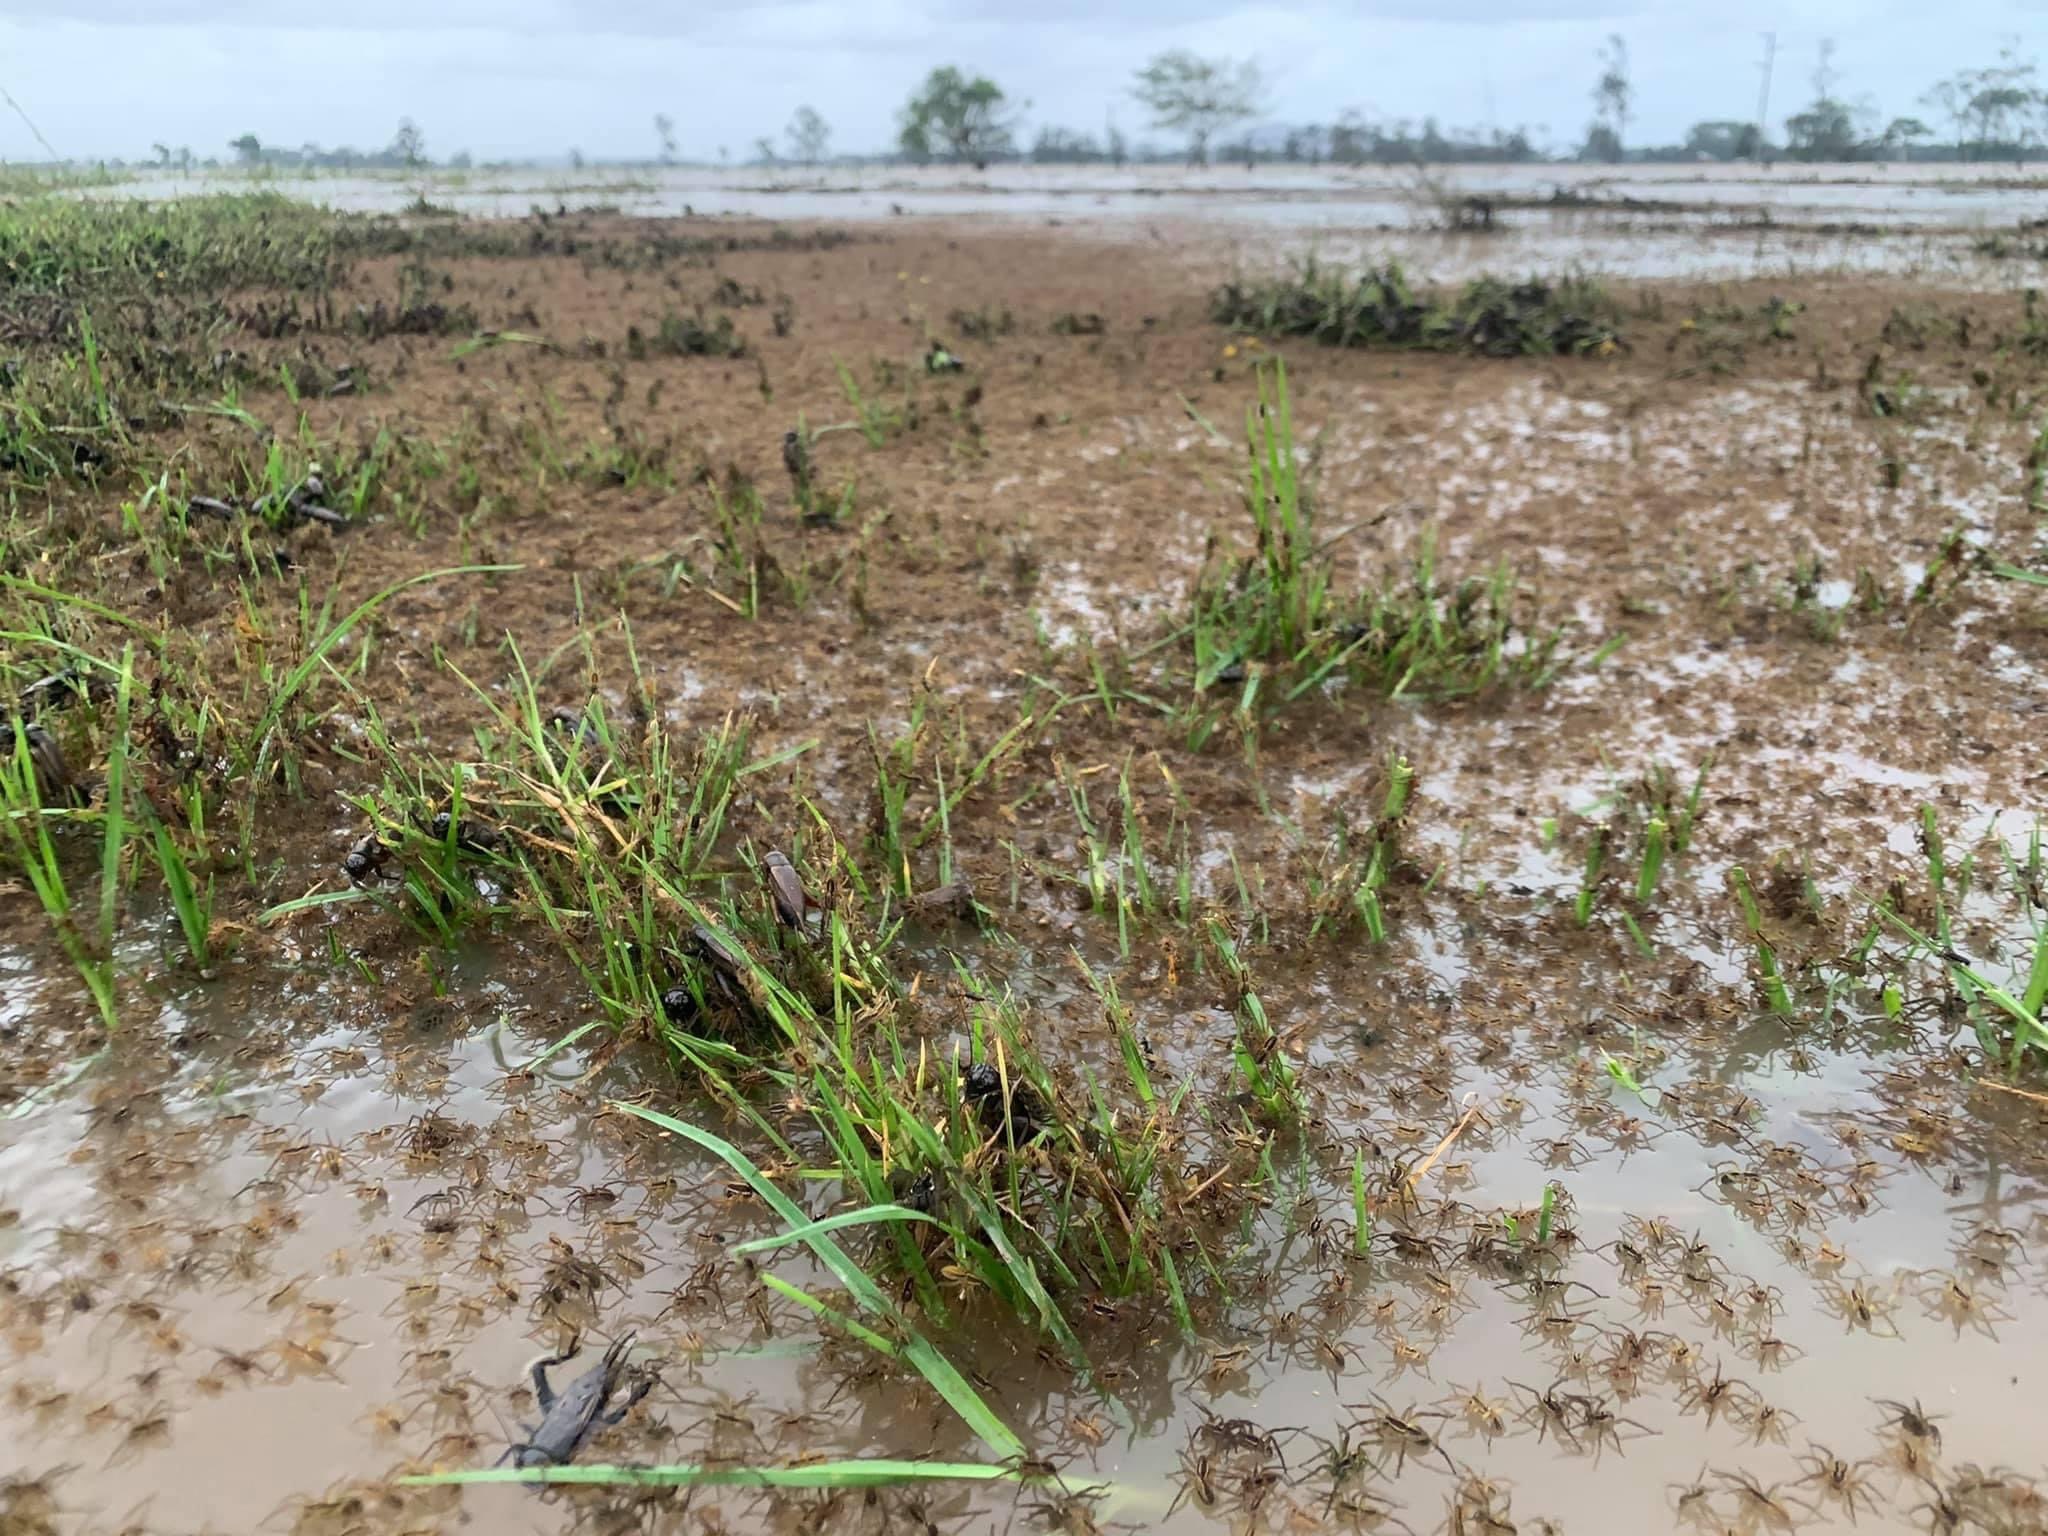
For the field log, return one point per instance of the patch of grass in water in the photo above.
(1381, 307)
(1271, 626)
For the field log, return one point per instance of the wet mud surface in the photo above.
(1645, 1250)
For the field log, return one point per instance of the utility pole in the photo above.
(1763, 95)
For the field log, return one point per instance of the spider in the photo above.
(1759, 1501)
(1838, 1480)
(1719, 1394)
(1484, 1414)
(1858, 1307)
(1228, 1437)
(1402, 1433)
(1912, 1419)
(1551, 1411)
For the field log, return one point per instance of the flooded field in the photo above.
(1951, 223)
(983, 887)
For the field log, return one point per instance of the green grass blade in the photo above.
(296, 678)
(946, 1380)
(862, 1217)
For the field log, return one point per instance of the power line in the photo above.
(1763, 95)
(32, 128)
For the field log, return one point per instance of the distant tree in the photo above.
(248, 148)
(1951, 98)
(1114, 145)
(1992, 110)
(1612, 95)
(957, 117)
(1348, 139)
(1064, 146)
(460, 160)
(1826, 130)
(185, 157)
(575, 158)
(2003, 103)
(1721, 139)
(1900, 133)
(764, 150)
(1198, 97)
(162, 152)
(809, 135)
(665, 131)
(1304, 144)
(409, 145)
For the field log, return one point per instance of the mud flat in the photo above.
(1404, 907)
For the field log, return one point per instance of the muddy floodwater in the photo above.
(1650, 221)
(1543, 1038)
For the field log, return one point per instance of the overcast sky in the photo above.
(535, 77)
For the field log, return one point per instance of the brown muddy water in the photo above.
(1645, 1254)
(1648, 222)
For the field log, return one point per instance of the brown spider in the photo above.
(1717, 1395)
(1231, 1437)
(1694, 1500)
(1603, 1423)
(1767, 1421)
(1484, 1414)
(1401, 1434)
(1551, 1412)
(1198, 1482)
(1758, 1501)
(1838, 1480)
(1859, 1308)
(1959, 1306)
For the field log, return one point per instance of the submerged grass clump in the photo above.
(1271, 627)
(775, 990)
(1381, 307)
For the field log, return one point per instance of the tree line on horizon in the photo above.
(1997, 111)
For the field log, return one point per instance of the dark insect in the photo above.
(678, 1006)
(470, 836)
(572, 736)
(727, 960)
(46, 758)
(364, 860)
(982, 1086)
(796, 458)
(917, 1191)
(568, 1417)
(730, 966)
(954, 900)
(786, 888)
(68, 686)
